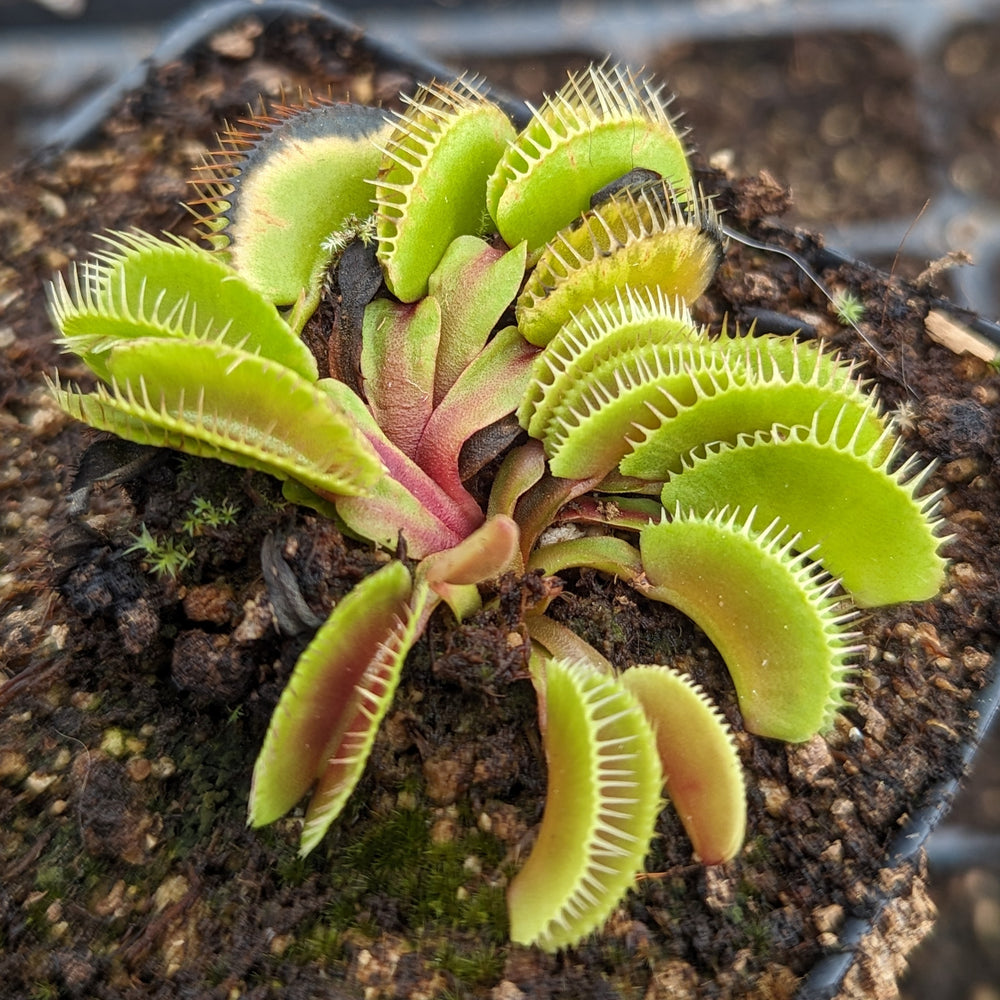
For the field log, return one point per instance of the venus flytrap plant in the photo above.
(685, 460)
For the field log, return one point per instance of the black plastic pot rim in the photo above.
(825, 979)
(196, 27)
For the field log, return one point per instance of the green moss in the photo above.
(51, 880)
(393, 864)
(63, 870)
(294, 870)
(757, 851)
(849, 308)
(481, 967)
(749, 914)
(321, 943)
(752, 925)
(213, 762)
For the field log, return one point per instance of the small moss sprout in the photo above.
(204, 514)
(163, 557)
(850, 309)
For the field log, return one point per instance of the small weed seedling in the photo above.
(206, 514)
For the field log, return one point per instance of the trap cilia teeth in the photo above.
(544, 276)
(280, 183)
(431, 185)
(643, 236)
(602, 125)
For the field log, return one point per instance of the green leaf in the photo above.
(562, 643)
(605, 553)
(480, 557)
(858, 506)
(220, 402)
(149, 287)
(487, 553)
(405, 500)
(388, 511)
(326, 720)
(488, 389)
(768, 610)
(521, 469)
(701, 767)
(398, 354)
(604, 782)
(474, 283)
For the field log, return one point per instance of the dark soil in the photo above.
(134, 705)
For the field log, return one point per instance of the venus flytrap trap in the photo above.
(603, 798)
(329, 713)
(280, 185)
(788, 664)
(644, 236)
(604, 123)
(543, 277)
(431, 185)
(882, 551)
(613, 744)
(145, 287)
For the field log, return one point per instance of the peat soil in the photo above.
(133, 705)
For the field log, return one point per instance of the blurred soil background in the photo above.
(884, 119)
